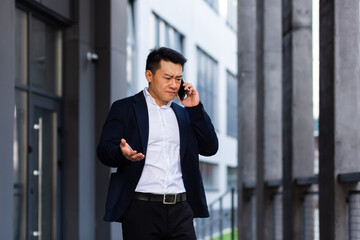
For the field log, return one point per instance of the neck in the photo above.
(158, 101)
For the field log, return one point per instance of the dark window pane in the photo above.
(45, 57)
(231, 111)
(209, 175)
(166, 35)
(20, 147)
(21, 47)
(206, 85)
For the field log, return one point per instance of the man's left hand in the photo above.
(192, 98)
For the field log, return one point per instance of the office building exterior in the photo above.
(62, 64)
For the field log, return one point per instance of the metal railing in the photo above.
(222, 218)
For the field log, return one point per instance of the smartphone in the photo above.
(182, 92)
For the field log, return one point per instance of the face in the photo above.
(165, 83)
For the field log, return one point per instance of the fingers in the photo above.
(135, 157)
(129, 153)
(192, 98)
(189, 87)
(122, 143)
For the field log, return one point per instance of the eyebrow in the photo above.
(169, 75)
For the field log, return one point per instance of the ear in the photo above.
(148, 75)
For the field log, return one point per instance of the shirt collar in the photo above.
(151, 100)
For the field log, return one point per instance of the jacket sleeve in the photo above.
(108, 149)
(204, 130)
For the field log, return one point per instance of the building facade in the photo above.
(62, 64)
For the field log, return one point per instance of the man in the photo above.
(154, 144)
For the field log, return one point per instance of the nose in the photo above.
(173, 83)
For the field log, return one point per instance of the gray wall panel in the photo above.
(7, 98)
(62, 7)
(87, 153)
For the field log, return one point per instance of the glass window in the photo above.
(130, 50)
(21, 48)
(206, 85)
(45, 57)
(209, 174)
(38, 68)
(45, 177)
(232, 14)
(214, 4)
(231, 107)
(20, 148)
(231, 177)
(166, 35)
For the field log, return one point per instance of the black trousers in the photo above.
(146, 220)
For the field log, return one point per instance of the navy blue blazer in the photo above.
(128, 119)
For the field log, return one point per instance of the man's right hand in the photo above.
(129, 153)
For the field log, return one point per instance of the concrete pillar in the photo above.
(260, 122)
(86, 158)
(339, 141)
(111, 24)
(7, 99)
(298, 143)
(246, 106)
(102, 106)
(347, 106)
(272, 111)
(273, 89)
(89, 89)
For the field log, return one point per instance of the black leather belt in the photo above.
(168, 198)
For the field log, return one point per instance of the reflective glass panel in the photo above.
(130, 50)
(44, 174)
(231, 107)
(20, 148)
(45, 57)
(166, 35)
(21, 47)
(206, 75)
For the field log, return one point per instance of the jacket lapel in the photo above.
(142, 118)
(181, 118)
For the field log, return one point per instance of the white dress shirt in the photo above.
(162, 170)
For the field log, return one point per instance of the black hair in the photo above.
(166, 54)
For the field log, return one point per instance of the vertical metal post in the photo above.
(232, 214)
(260, 122)
(221, 219)
(203, 228)
(211, 222)
(327, 120)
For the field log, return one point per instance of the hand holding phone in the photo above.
(182, 92)
(188, 95)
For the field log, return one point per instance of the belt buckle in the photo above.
(172, 202)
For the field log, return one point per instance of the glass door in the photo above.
(37, 150)
(44, 172)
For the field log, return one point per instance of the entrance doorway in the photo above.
(44, 169)
(37, 140)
